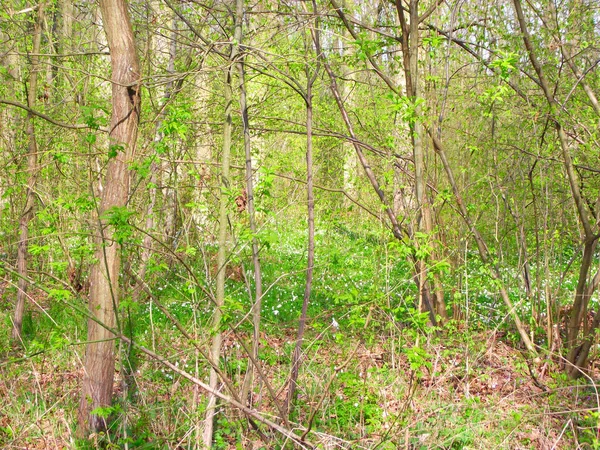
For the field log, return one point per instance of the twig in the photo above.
(48, 118)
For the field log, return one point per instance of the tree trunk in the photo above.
(410, 56)
(297, 355)
(32, 158)
(256, 306)
(215, 352)
(310, 79)
(104, 279)
(410, 61)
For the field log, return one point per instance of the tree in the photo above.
(223, 240)
(112, 214)
(307, 95)
(251, 208)
(32, 158)
(578, 352)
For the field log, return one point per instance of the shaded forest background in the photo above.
(299, 224)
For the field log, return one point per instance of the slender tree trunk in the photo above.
(215, 352)
(409, 46)
(410, 53)
(104, 278)
(297, 355)
(256, 306)
(32, 159)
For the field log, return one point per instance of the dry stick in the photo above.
(481, 245)
(264, 379)
(252, 413)
(248, 411)
(214, 365)
(184, 332)
(329, 133)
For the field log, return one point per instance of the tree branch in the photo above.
(47, 118)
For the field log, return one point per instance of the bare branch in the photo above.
(49, 119)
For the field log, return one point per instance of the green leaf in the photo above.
(114, 149)
(118, 217)
(60, 294)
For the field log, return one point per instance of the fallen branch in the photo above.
(227, 399)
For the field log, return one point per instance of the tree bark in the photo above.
(104, 279)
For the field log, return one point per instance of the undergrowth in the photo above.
(375, 375)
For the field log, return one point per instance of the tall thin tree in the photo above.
(32, 160)
(215, 351)
(250, 207)
(311, 76)
(104, 279)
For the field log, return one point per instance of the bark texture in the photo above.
(104, 279)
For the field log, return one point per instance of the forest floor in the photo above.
(374, 374)
(472, 392)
